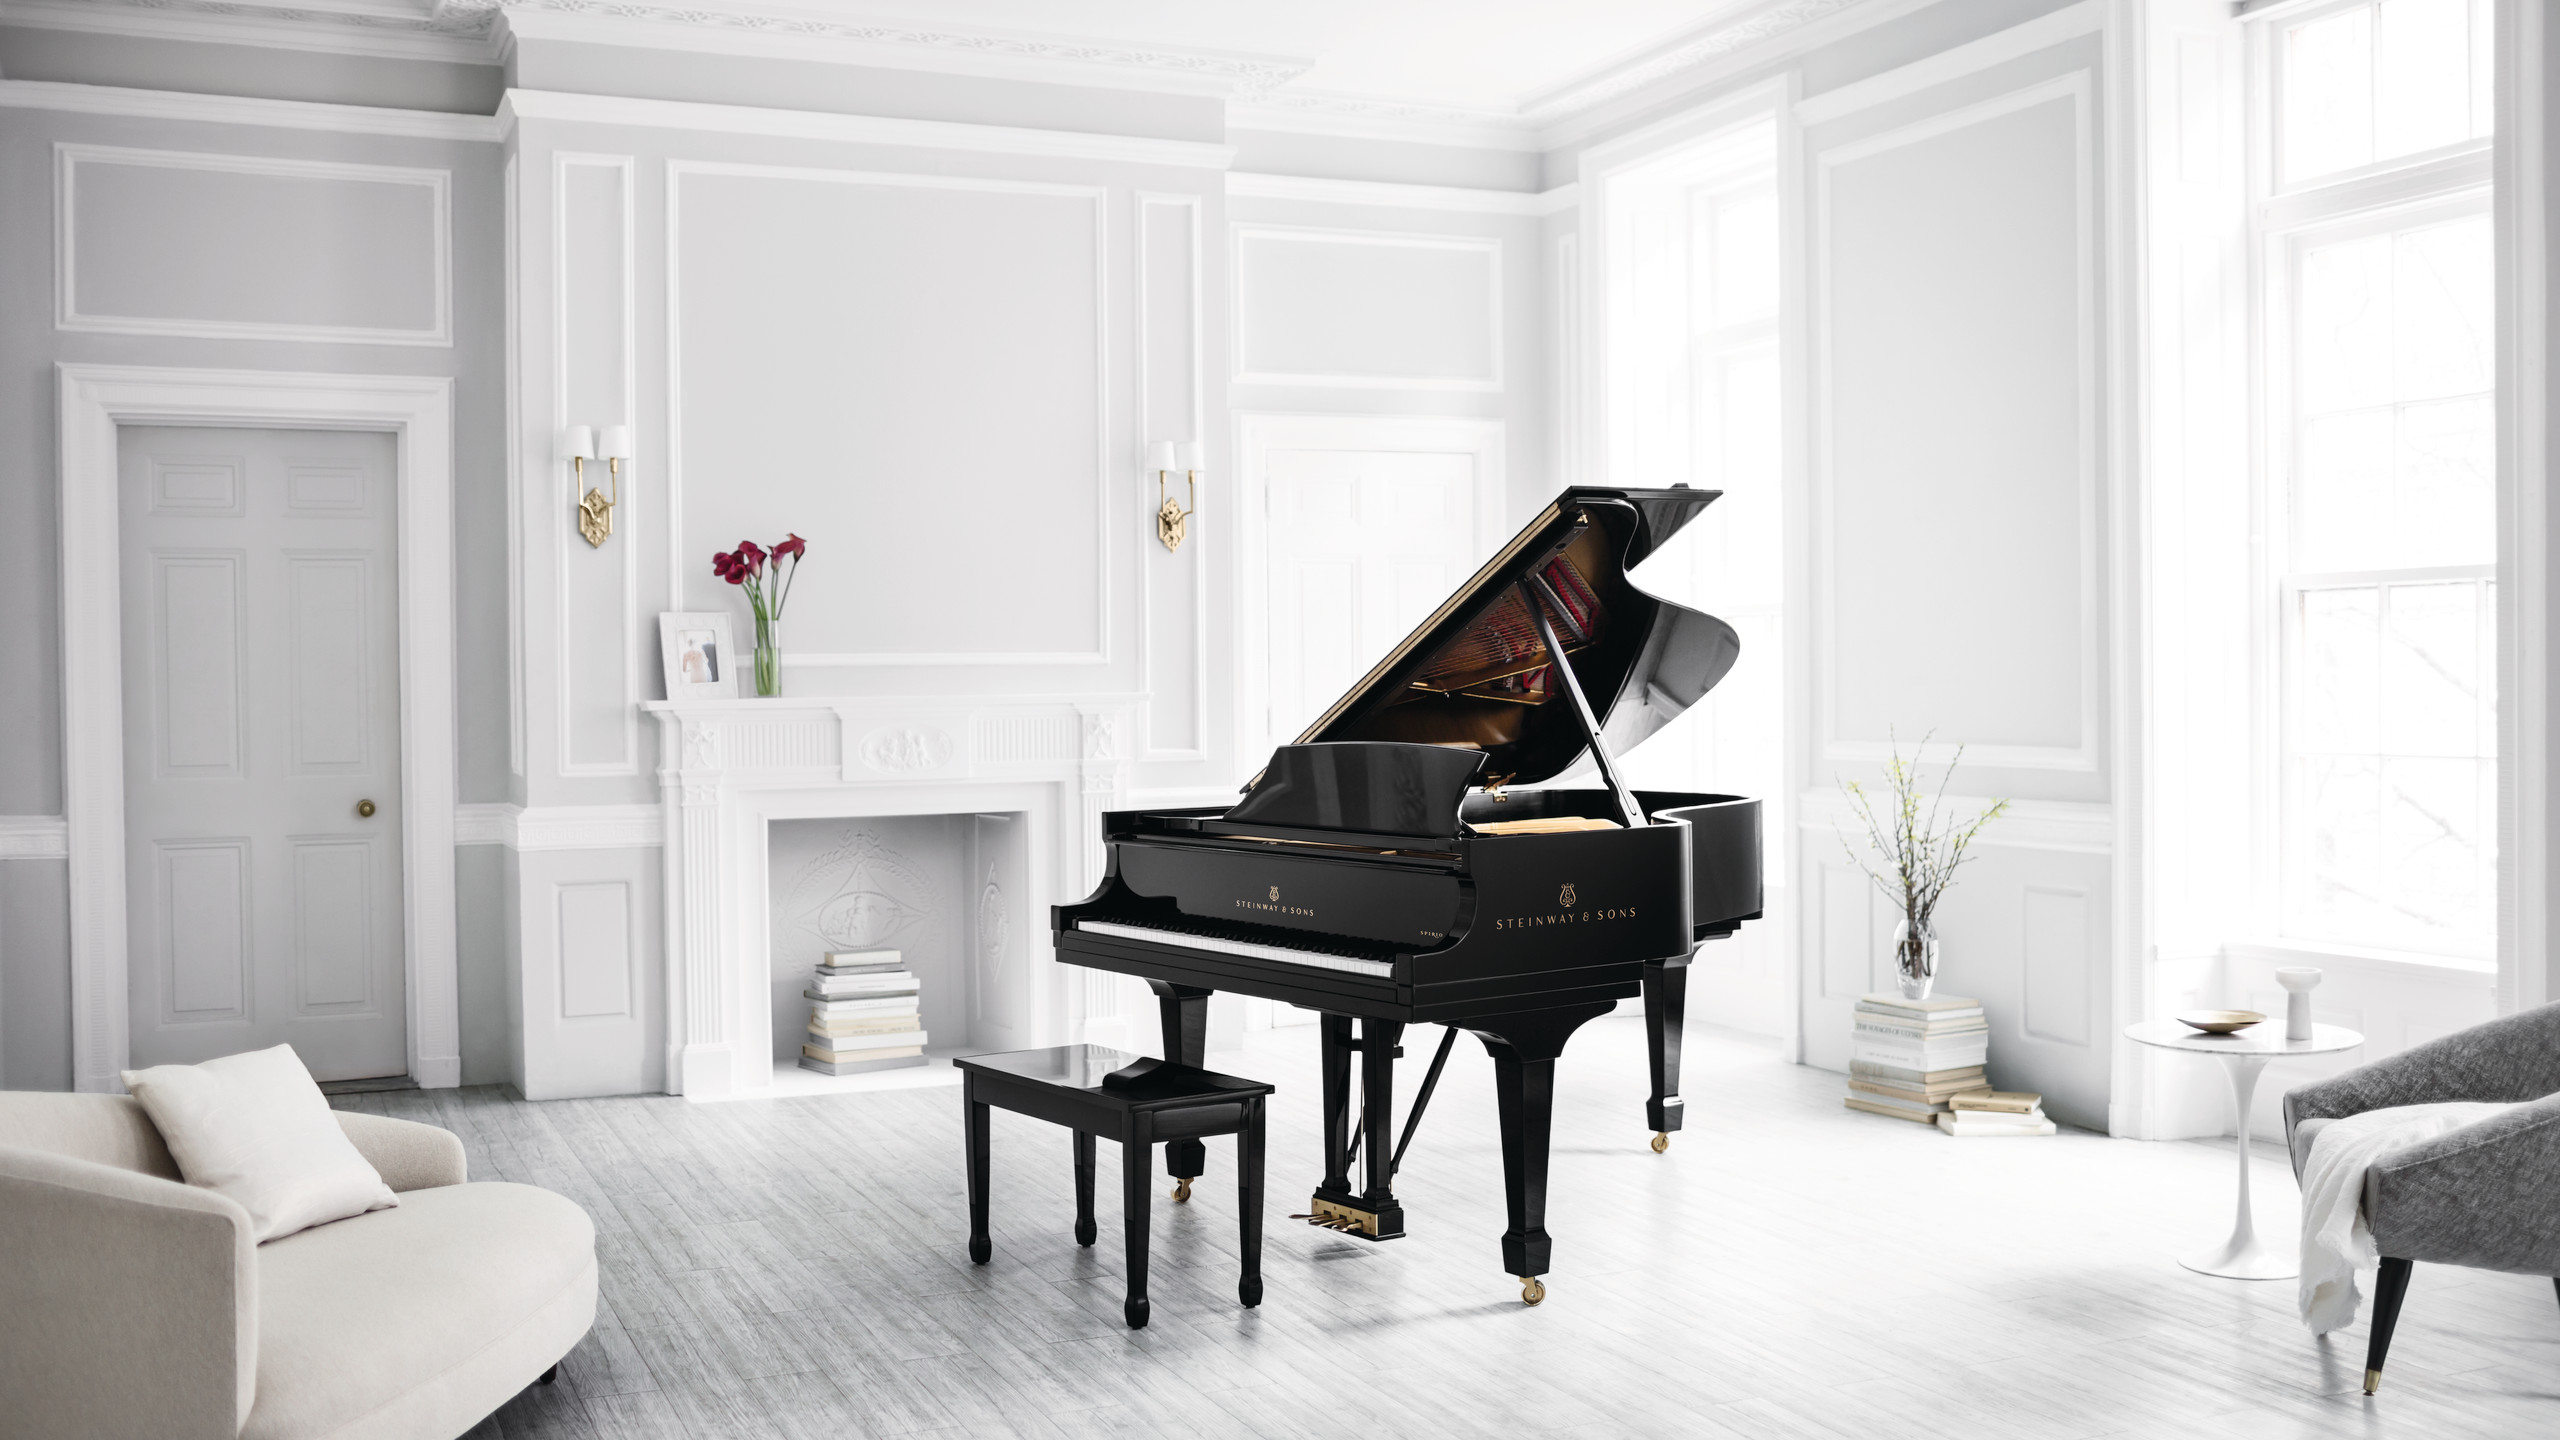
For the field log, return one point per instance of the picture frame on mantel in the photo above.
(697, 654)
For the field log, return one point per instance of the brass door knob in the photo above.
(365, 808)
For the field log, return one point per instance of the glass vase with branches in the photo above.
(1921, 847)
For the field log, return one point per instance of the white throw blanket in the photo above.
(2335, 1240)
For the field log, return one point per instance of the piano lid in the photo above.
(1475, 675)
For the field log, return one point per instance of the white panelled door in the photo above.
(261, 721)
(1364, 544)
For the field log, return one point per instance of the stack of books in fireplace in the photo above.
(1908, 1058)
(864, 1014)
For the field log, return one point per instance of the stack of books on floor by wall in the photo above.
(1908, 1058)
(864, 1014)
(1995, 1112)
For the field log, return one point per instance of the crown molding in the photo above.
(1384, 195)
(858, 129)
(787, 32)
(455, 32)
(1355, 117)
(238, 110)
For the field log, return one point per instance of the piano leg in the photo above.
(1524, 1050)
(1335, 1032)
(1185, 1012)
(1666, 991)
(1249, 1202)
(1378, 1113)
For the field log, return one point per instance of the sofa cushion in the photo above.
(418, 1321)
(255, 1127)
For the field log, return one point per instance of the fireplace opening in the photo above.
(947, 892)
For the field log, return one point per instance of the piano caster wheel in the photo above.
(1532, 1289)
(1661, 1141)
(1182, 1189)
(1250, 1292)
(980, 1249)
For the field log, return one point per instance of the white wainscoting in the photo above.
(2026, 929)
(836, 340)
(246, 247)
(1956, 433)
(1367, 309)
(595, 350)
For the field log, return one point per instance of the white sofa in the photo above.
(133, 1305)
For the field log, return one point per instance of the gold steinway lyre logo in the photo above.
(1565, 899)
(1275, 892)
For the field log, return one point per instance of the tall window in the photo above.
(2374, 209)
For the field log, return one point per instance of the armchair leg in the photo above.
(549, 1375)
(2389, 1289)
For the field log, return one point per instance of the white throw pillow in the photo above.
(255, 1127)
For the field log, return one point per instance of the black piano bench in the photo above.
(1136, 1101)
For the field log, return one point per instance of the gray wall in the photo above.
(34, 928)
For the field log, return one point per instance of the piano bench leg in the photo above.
(1085, 1230)
(1137, 1194)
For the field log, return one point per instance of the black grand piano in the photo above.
(1390, 865)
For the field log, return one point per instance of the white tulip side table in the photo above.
(2244, 1053)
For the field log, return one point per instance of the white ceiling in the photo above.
(1496, 55)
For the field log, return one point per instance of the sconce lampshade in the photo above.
(1160, 455)
(579, 443)
(616, 444)
(1190, 456)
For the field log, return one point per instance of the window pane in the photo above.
(2344, 326)
(2422, 75)
(2327, 83)
(2380, 81)
(1746, 250)
(2340, 649)
(2443, 310)
(2395, 456)
(2436, 867)
(2430, 673)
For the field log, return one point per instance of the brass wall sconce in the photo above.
(594, 507)
(1173, 522)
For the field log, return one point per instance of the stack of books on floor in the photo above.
(1908, 1058)
(864, 1014)
(1995, 1112)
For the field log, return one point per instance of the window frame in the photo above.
(2284, 221)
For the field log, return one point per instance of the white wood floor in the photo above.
(796, 1268)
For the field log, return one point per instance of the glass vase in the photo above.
(1915, 959)
(768, 656)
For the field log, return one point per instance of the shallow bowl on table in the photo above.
(2220, 1022)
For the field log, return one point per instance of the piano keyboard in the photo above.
(1208, 935)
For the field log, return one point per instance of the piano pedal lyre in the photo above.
(1532, 1289)
(1182, 1187)
(1661, 1141)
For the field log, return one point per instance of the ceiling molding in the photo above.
(788, 32)
(457, 32)
(1735, 31)
(1383, 195)
(859, 129)
(238, 110)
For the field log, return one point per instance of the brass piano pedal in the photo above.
(1661, 1141)
(1182, 1188)
(1532, 1289)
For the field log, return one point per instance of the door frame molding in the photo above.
(1257, 433)
(417, 412)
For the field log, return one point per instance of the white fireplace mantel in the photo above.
(727, 768)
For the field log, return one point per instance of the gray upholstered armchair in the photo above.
(2479, 1196)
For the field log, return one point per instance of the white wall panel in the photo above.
(157, 242)
(594, 919)
(1367, 309)
(911, 372)
(595, 291)
(1169, 408)
(2061, 963)
(1955, 433)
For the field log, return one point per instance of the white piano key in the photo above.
(1315, 959)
